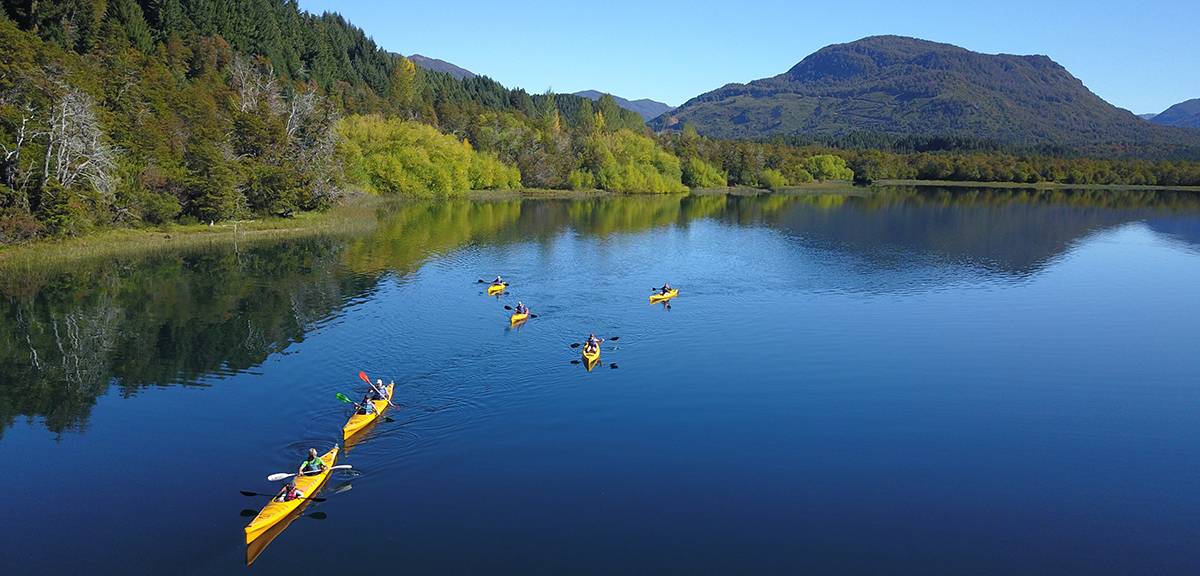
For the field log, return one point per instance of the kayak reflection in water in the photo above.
(593, 343)
(312, 465)
(666, 287)
(289, 493)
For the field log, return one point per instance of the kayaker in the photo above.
(666, 287)
(593, 343)
(366, 407)
(521, 308)
(498, 281)
(289, 493)
(378, 392)
(312, 465)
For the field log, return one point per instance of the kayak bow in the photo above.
(591, 359)
(495, 289)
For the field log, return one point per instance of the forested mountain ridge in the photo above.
(649, 109)
(129, 112)
(1185, 114)
(898, 86)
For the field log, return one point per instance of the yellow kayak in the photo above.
(274, 512)
(591, 359)
(664, 297)
(495, 289)
(515, 318)
(359, 421)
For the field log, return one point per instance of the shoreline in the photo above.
(354, 216)
(1035, 186)
(358, 215)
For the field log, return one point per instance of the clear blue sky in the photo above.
(1143, 56)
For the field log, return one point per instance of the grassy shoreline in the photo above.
(354, 216)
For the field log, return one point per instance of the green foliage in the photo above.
(828, 167)
(581, 180)
(394, 156)
(624, 161)
(772, 179)
(700, 174)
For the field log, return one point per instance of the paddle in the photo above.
(363, 376)
(249, 493)
(611, 365)
(282, 475)
(610, 339)
(343, 398)
(507, 307)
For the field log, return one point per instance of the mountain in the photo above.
(1184, 114)
(648, 108)
(441, 66)
(893, 86)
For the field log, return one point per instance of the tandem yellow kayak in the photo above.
(591, 359)
(274, 512)
(359, 421)
(495, 289)
(664, 297)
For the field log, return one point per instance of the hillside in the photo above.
(647, 108)
(1184, 115)
(458, 73)
(895, 86)
(124, 113)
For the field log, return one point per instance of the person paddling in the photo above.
(378, 392)
(498, 281)
(593, 343)
(289, 493)
(666, 287)
(366, 406)
(521, 308)
(312, 465)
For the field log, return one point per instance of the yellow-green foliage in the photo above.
(624, 161)
(828, 167)
(394, 156)
(489, 173)
(773, 179)
(700, 174)
(581, 180)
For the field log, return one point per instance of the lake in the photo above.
(860, 381)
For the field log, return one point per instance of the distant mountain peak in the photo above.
(647, 108)
(1185, 114)
(899, 86)
(441, 66)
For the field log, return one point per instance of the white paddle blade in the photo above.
(284, 475)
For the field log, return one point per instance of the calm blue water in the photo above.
(891, 381)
